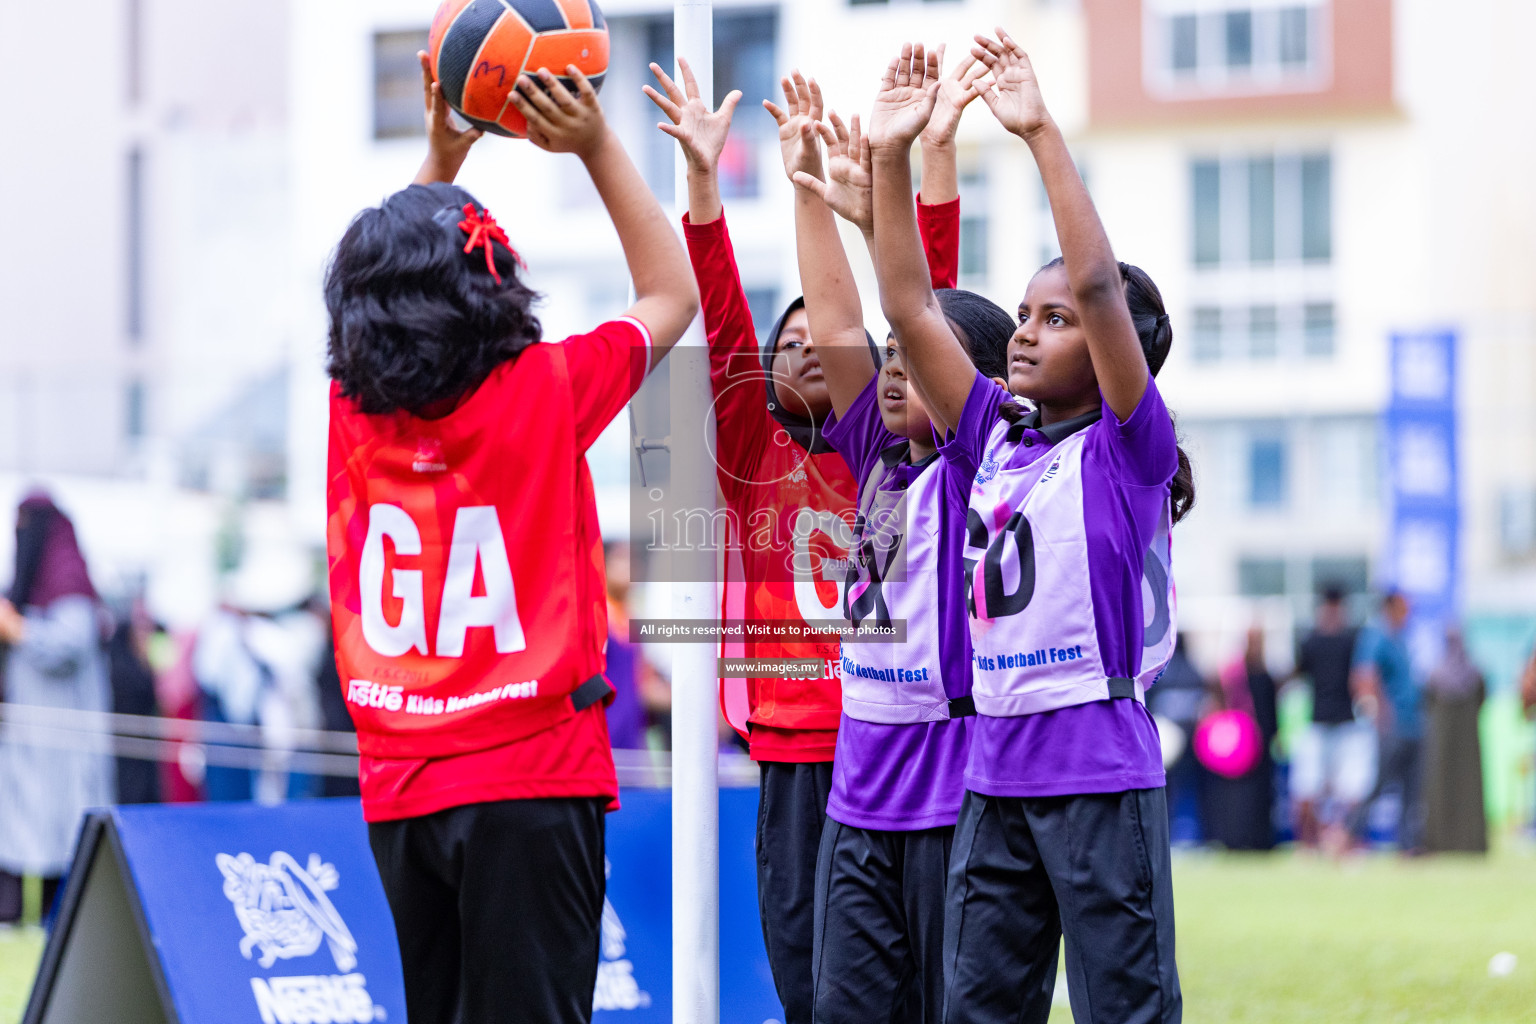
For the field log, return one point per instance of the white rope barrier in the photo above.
(227, 745)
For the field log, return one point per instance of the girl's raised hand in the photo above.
(849, 188)
(698, 130)
(956, 91)
(558, 121)
(798, 142)
(905, 102)
(446, 145)
(1012, 93)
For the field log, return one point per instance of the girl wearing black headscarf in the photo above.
(50, 624)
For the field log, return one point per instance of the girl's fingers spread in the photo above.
(802, 92)
(812, 183)
(904, 66)
(839, 129)
(672, 130)
(556, 90)
(987, 57)
(673, 92)
(690, 84)
(835, 144)
(817, 104)
(888, 80)
(989, 44)
(584, 90)
(536, 120)
(789, 94)
(772, 108)
(728, 104)
(536, 97)
(853, 133)
(667, 106)
(1008, 42)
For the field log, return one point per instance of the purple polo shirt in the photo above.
(901, 778)
(1104, 746)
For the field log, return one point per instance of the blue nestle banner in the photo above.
(276, 915)
(1420, 428)
(271, 914)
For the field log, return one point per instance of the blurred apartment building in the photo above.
(143, 332)
(1304, 178)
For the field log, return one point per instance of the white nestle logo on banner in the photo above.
(617, 988)
(284, 909)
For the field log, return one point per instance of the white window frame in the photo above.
(1211, 77)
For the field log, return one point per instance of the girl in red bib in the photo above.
(466, 567)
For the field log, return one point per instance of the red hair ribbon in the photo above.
(483, 230)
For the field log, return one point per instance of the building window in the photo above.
(133, 409)
(1350, 573)
(1261, 577)
(1207, 334)
(1266, 471)
(974, 240)
(1317, 325)
(1262, 332)
(1218, 47)
(764, 304)
(1261, 210)
(397, 112)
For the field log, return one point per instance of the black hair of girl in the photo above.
(1150, 318)
(983, 327)
(415, 321)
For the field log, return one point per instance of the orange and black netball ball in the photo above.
(480, 47)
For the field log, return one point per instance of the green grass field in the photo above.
(1286, 940)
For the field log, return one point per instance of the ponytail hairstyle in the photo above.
(416, 319)
(983, 327)
(1156, 333)
(1150, 318)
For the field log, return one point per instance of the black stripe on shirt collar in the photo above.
(1055, 432)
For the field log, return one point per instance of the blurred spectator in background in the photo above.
(1176, 703)
(642, 699)
(1383, 681)
(257, 660)
(1239, 812)
(181, 781)
(1453, 754)
(133, 693)
(54, 626)
(1333, 762)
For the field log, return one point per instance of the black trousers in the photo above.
(497, 907)
(1026, 870)
(880, 925)
(792, 806)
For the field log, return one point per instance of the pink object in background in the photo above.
(1228, 743)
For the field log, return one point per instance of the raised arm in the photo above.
(938, 211)
(446, 145)
(832, 308)
(666, 298)
(1013, 95)
(700, 132)
(936, 361)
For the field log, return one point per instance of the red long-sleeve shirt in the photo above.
(769, 483)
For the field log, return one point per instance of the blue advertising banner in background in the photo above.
(234, 913)
(1420, 428)
(634, 981)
